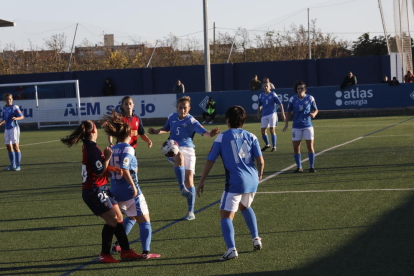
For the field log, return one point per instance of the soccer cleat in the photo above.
(298, 170)
(150, 256)
(116, 248)
(229, 255)
(9, 168)
(273, 149)
(266, 147)
(186, 193)
(128, 255)
(189, 216)
(16, 168)
(210, 123)
(312, 170)
(204, 122)
(257, 244)
(107, 258)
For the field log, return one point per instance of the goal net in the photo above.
(49, 104)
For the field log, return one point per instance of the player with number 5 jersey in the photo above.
(304, 109)
(182, 127)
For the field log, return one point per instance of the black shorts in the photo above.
(99, 200)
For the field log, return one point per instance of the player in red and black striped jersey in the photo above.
(137, 128)
(95, 193)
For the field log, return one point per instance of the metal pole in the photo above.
(207, 73)
(402, 42)
(149, 61)
(73, 43)
(309, 44)
(214, 33)
(385, 28)
(231, 49)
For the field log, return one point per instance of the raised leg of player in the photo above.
(179, 169)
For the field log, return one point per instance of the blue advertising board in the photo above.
(327, 98)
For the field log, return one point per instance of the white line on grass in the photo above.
(34, 144)
(333, 191)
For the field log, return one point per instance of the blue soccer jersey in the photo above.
(268, 103)
(9, 113)
(182, 131)
(238, 149)
(301, 109)
(123, 156)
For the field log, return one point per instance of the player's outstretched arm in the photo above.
(146, 139)
(207, 168)
(260, 166)
(212, 133)
(157, 131)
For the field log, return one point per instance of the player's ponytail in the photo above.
(114, 126)
(83, 131)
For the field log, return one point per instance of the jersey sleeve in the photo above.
(16, 111)
(215, 149)
(290, 105)
(167, 126)
(260, 100)
(126, 158)
(95, 159)
(256, 147)
(313, 103)
(276, 99)
(198, 127)
(141, 130)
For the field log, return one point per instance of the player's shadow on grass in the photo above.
(57, 228)
(386, 248)
(45, 218)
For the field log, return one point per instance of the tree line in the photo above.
(243, 46)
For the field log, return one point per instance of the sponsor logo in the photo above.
(203, 103)
(145, 108)
(126, 161)
(99, 164)
(412, 95)
(354, 97)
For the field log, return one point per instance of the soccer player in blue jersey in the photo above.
(95, 193)
(238, 150)
(267, 112)
(182, 128)
(11, 116)
(125, 186)
(304, 109)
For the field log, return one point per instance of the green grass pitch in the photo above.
(355, 216)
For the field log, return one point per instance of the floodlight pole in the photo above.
(153, 51)
(71, 50)
(207, 72)
(384, 27)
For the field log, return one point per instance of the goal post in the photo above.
(49, 104)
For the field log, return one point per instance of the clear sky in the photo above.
(155, 19)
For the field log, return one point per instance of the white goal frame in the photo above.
(61, 123)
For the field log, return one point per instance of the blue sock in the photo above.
(250, 219)
(128, 224)
(298, 160)
(227, 231)
(11, 157)
(265, 139)
(180, 173)
(18, 157)
(274, 140)
(191, 201)
(311, 159)
(145, 233)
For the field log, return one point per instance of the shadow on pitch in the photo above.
(385, 248)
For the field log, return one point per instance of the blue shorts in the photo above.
(99, 200)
